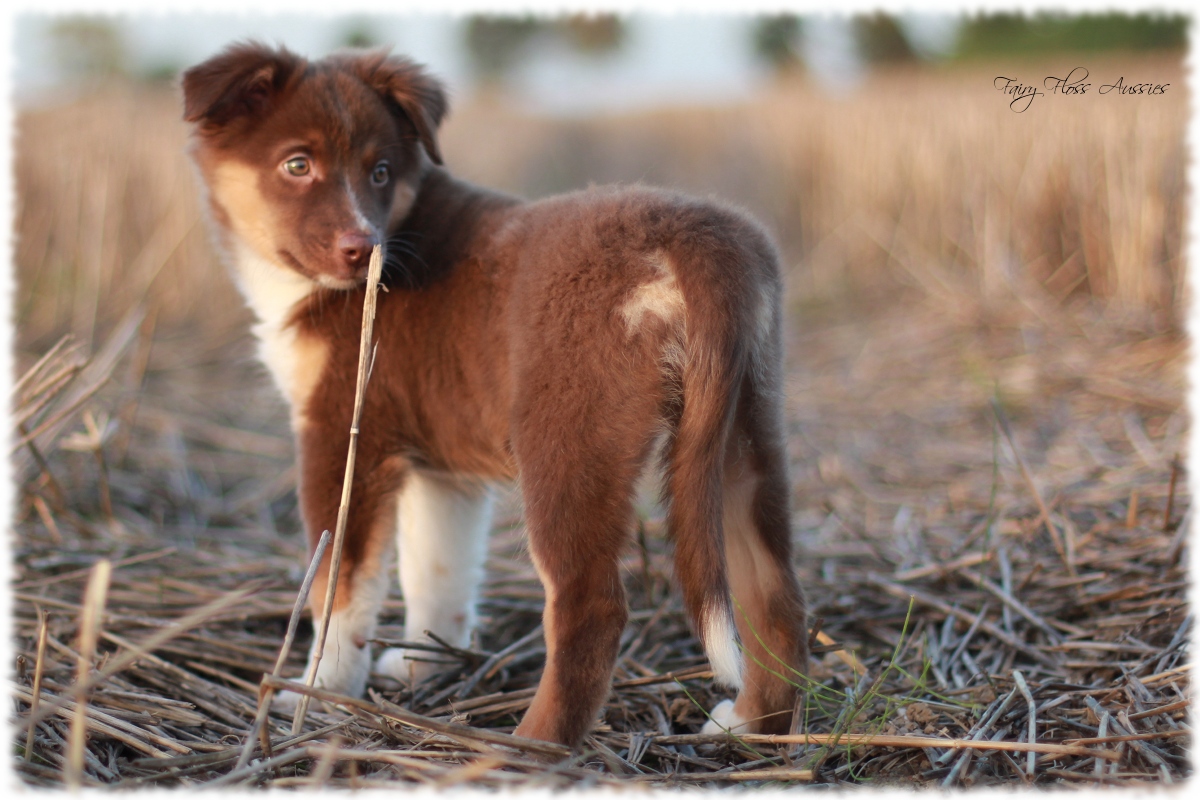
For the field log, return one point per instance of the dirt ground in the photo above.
(991, 504)
(921, 549)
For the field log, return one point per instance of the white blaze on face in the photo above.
(360, 219)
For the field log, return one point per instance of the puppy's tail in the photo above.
(714, 365)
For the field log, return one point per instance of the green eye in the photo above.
(380, 174)
(298, 166)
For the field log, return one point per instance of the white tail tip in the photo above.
(721, 645)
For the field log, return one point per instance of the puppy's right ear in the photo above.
(239, 81)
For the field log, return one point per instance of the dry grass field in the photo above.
(987, 432)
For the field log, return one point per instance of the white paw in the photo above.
(400, 664)
(723, 718)
(393, 663)
(285, 702)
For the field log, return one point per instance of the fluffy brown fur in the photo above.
(554, 343)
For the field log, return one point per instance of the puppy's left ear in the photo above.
(420, 96)
(241, 81)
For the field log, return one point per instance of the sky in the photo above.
(663, 59)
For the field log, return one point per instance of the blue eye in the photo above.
(381, 174)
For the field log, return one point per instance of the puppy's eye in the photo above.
(381, 174)
(297, 167)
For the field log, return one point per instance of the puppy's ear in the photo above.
(239, 81)
(418, 94)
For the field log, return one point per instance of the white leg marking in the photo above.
(723, 718)
(346, 660)
(443, 545)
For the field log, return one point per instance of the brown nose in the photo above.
(356, 247)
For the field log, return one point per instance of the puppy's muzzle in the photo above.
(355, 247)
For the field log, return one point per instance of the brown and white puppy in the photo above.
(553, 343)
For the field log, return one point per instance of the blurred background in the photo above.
(941, 251)
(876, 146)
(985, 339)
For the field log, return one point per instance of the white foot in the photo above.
(286, 702)
(344, 663)
(723, 718)
(393, 663)
(404, 665)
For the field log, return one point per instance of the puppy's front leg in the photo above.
(443, 527)
(362, 575)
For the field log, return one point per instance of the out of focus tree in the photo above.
(89, 47)
(359, 33)
(1014, 34)
(496, 44)
(880, 39)
(593, 33)
(775, 39)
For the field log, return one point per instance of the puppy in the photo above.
(554, 343)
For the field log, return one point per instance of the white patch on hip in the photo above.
(442, 539)
(659, 297)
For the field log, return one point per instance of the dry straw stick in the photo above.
(885, 740)
(471, 737)
(365, 361)
(145, 648)
(38, 669)
(89, 625)
(1065, 553)
(265, 693)
(1023, 688)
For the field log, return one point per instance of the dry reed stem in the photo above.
(883, 740)
(89, 625)
(1023, 688)
(889, 433)
(265, 694)
(145, 648)
(953, 611)
(1045, 519)
(374, 270)
(91, 379)
(39, 670)
(770, 774)
(1170, 509)
(848, 658)
(393, 712)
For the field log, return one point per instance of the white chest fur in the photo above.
(295, 361)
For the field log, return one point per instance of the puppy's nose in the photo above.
(356, 247)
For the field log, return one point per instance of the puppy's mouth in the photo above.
(342, 278)
(330, 282)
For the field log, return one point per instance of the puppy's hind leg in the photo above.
(578, 482)
(442, 538)
(768, 603)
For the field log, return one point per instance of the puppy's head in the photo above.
(309, 164)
